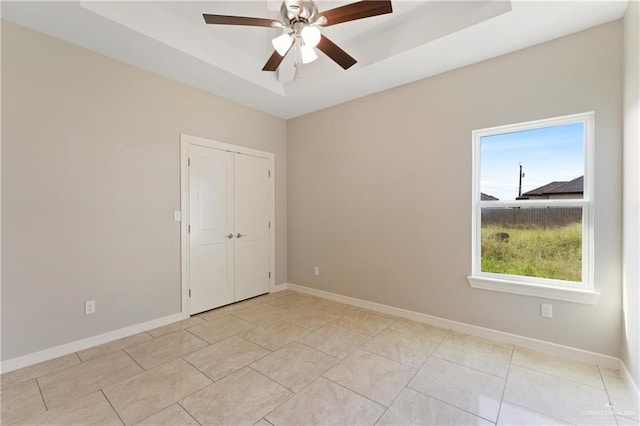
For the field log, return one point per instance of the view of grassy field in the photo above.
(554, 252)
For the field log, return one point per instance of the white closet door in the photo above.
(211, 240)
(252, 226)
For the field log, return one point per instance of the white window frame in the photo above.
(579, 292)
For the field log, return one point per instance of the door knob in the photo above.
(230, 236)
(239, 235)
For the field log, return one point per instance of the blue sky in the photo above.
(546, 154)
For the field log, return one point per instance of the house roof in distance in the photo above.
(575, 186)
(487, 197)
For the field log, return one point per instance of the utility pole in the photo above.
(520, 176)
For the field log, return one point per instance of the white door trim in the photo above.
(185, 141)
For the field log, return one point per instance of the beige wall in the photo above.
(379, 188)
(90, 180)
(630, 350)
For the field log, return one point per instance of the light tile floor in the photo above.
(293, 359)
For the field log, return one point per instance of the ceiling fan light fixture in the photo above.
(308, 54)
(282, 43)
(311, 35)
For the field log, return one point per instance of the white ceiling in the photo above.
(419, 39)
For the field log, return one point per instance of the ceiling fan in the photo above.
(300, 20)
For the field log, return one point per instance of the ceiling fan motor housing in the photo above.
(298, 11)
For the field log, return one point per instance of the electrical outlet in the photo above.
(546, 311)
(316, 270)
(90, 307)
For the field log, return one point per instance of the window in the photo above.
(532, 209)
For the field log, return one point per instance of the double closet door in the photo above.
(229, 227)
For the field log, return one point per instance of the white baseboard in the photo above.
(474, 330)
(278, 287)
(78, 345)
(631, 385)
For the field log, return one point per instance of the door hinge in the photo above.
(189, 292)
(189, 228)
(269, 274)
(269, 174)
(188, 162)
(269, 225)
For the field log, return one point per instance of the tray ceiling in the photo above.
(419, 39)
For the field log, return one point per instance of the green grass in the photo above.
(534, 251)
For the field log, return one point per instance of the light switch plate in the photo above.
(177, 216)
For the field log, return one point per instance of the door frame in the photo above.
(185, 142)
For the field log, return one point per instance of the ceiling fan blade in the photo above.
(237, 20)
(338, 55)
(274, 61)
(358, 10)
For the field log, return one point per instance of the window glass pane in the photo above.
(533, 242)
(543, 163)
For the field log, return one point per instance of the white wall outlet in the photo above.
(89, 307)
(316, 270)
(546, 311)
(177, 216)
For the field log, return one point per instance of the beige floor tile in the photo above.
(409, 350)
(364, 322)
(295, 365)
(20, 401)
(378, 313)
(558, 397)
(92, 409)
(115, 346)
(218, 312)
(415, 328)
(241, 398)
(165, 348)
(373, 376)
(474, 352)
(326, 403)
(512, 414)
(280, 293)
(562, 367)
(414, 408)
(311, 317)
(176, 326)
(335, 341)
(228, 309)
(173, 415)
(263, 422)
(37, 370)
(258, 300)
(624, 421)
(143, 395)
(274, 334)
(261, 313)
(471, 390)
(329, 306)
(293, 301)
(78, 380)
(225, 357)
(220, 328)
(624, 404)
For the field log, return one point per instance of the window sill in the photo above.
(587, 297)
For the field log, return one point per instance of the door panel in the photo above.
(251, 222)
(252, 268)
(211, 252)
